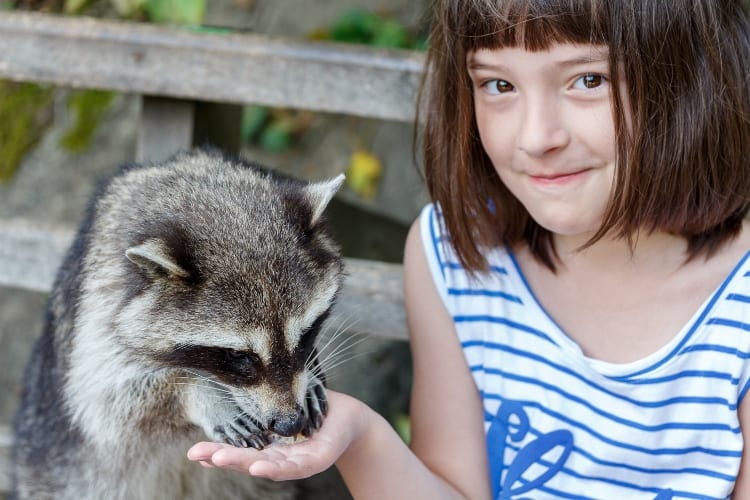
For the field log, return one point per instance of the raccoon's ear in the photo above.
(152, 257)
(320, 194)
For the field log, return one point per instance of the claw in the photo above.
(320, 393)
(258, 441)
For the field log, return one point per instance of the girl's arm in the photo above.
(448, 455)
(446, 409)
(742, 486)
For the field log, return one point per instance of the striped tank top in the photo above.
(561, 425)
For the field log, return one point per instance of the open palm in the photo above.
(282, 462)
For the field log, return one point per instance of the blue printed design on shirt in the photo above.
(511, 424)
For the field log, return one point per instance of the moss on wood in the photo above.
(88, 108)
(25, 111)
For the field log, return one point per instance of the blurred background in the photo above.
(56, 142)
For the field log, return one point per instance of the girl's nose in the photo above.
(542, 128)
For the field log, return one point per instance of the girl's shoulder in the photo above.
(436, 241)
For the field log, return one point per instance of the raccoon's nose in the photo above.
(288, 425)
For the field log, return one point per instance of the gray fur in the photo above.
(186, 309)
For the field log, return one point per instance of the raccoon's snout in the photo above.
(289, 424)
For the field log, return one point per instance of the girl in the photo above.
(578, 295)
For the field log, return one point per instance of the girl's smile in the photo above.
(545, 120)
(558, 178)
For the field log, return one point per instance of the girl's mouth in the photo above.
(558, 179)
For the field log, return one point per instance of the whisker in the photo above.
(338, 362)
(330, 338)
(342, 348)
(335, 343)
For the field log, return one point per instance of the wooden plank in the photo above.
(371, 300)
(30, 254)
(5, 444)
(166, 127)
(236, 68)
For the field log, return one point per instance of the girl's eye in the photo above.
(496, 87)
(589, 81)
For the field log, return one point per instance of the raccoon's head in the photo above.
(232, 275)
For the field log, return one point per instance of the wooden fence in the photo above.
(171, 69)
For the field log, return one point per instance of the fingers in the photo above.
(203, 451)
(224, 456)
(346, 420)
(297, 467)
(279, 463)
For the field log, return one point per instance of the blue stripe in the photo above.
(646, 489)
(685, 470)
(678, 348)
(620, 420)
(689, 373)
(485, 293)
(623, 484)
(716, 348)
(506, 322)
(730, 323)
(456, 266)
(739, 298)
(688, 335)
(438, 238)
(621, 465)
(433, 238)
(578, 376)
(619, 444)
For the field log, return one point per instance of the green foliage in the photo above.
(184, 12)
(273, 129)
(129, 8)
(402, 424)
(24, 114)
(368, 28)
(355, 26)
(254, 119)
(189, 12)
(278, 135)
(88, 108)
(75, 6)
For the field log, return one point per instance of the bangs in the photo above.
(532, 25)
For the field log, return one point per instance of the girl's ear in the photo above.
(320, 194)
(152, 257)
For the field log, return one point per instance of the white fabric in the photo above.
(560, 425)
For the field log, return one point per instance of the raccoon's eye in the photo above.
(237, 355)
(242, 361)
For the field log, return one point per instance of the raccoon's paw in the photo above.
(316, 407)
(242, 433)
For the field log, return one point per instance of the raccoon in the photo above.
(187, 308)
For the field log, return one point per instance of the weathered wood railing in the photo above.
(172, 69)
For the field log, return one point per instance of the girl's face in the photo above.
(545, 120)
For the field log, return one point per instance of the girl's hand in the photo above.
(280, 462)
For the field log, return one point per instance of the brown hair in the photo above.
(681, 159)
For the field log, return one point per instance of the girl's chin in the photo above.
(570, 229)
